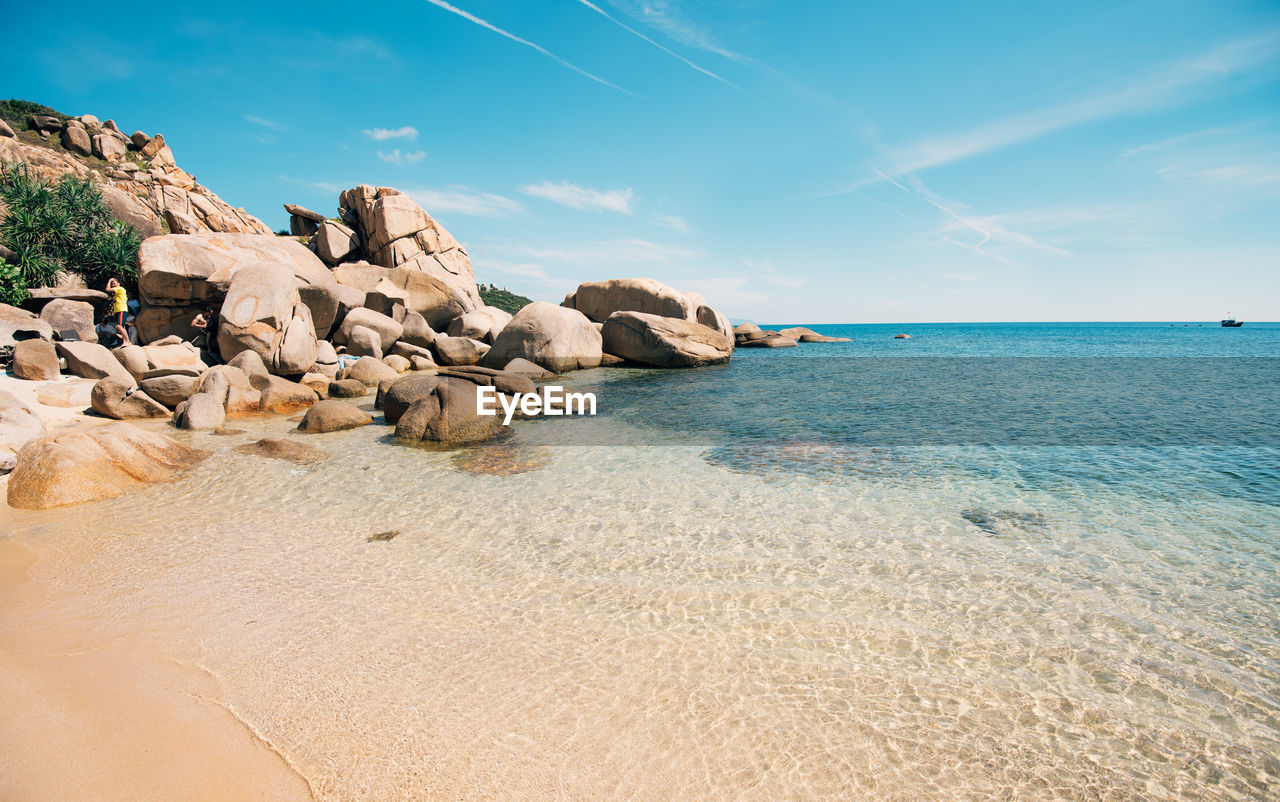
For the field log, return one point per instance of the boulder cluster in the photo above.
(136, 173)
(380, 296)
(749, 335)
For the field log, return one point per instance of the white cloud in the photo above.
(265, 123)
(990, 229)
(1149, 91)
(665, 16)
(396, 157)
(1183, 139)
(464, 200)
(578, 197)
(490, 26)
(403, 132)
(661, 47)
(672, 222)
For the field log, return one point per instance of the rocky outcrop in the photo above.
(332, 416)
(805, 335)
(389, 236)
(35, 360)
(264, 313)
(555, 337)
(190, 272)
(664, 342)
(153, 188)
(600, 299)
(766, 339)
(74, 467)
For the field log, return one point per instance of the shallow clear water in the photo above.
(735, 614)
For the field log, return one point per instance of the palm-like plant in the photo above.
(63, 227)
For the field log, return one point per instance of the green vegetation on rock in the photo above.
(505, 300)
(64, 227)
(16, 112)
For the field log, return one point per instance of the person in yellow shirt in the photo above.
(119, 308)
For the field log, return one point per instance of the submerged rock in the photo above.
(282, 448)
(74, 467)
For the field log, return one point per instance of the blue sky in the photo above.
(793, 161)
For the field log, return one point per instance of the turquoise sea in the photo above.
(1030, 561)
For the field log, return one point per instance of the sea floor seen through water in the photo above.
(768, 616)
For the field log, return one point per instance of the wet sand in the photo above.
(87, 718)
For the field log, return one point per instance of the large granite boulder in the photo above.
(459, 350)
(134, 358)
(401, 393)
(176, 357)
(332, 415)
(447, 414)
(264, 313)
(396, 232)
(716, 321)
(334, 242)
(557, 338)
(387, 328)
(190, 270)
(170, 390)
(112, 398)
(18, 324)
(77, 140)
(282, 396)
(600, 299)
(664, 342)
(93, 361)
(74, 467)
(436, 298)
(483, 324)
(64, 315)
(200, 412)
(35, 360)
(234, 389)
(362, 341)
(417, 331)
(368, 371)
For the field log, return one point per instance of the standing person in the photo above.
(119, 307)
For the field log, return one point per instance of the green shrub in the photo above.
(507, 301)
(64, 227)
(17, 112)
(13, 290)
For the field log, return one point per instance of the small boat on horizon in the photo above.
(1231, 323)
